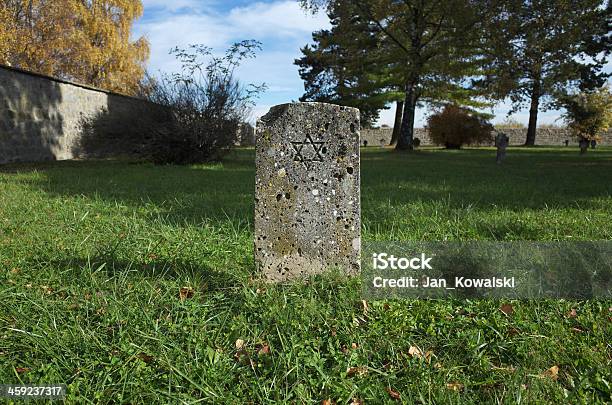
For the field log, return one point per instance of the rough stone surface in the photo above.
(307, 191)
(544, 137)
(41, 117)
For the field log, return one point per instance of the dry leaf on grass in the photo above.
(265, 349)
(185, 293)
(360, 371)
(364, 305)
(239, 344)
(47, 289)
(145, 357)
(552, 373)
(394, 394)
(357, 401)
(21, 370)
(415, 352)
(572, 314)
(327, 402)
(454, 386)
(507, 309)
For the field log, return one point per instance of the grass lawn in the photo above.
(93, 256)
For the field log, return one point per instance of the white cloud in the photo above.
(280, 19)
(281, 26)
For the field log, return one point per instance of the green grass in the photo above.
(93, 255)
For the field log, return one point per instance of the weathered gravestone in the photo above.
(307, 194)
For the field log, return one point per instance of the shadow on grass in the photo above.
(529, 179)
(113, 267)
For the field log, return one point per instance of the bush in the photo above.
(188, 117)
(455, 126)
(588, 114)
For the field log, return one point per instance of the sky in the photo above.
(280, 25)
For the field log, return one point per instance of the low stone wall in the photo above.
(41, 117)
(544, 136)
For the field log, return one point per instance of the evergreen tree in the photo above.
(541, 49)
(423, 52)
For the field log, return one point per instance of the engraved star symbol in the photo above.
(317, 148)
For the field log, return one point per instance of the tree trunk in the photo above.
(533, 114)
(397, 126)
(407, 129)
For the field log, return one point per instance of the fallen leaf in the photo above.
(354, 345)
(185, 293)
(394, 394)
(415, 352)
(333, 332)
(47, 289)
(364, 304)
(572, 313)
(438, 366)
(455, 386)
(428, 355)
(552, 373)
(360, 371)
(327, 402)
(21, 370)
(513, 331)
(265, 349)
(15, 270)
(386, 307)
(239, 344)
(357, 401)
(145, 357)
(507, 309)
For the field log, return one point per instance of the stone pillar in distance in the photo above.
(307, 191)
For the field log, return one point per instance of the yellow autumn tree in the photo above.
(82, 40)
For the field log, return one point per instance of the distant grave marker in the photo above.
(307, 191)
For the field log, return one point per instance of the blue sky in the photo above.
(280, 25)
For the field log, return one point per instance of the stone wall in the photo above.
(544, 136)
(40, 117)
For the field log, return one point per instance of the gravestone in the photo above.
(307, 191)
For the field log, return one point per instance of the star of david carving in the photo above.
(316, 150)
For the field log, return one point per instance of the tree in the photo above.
(588, 114)
(80, 40)
(426, 49)
(335, 69)
(538, 49)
